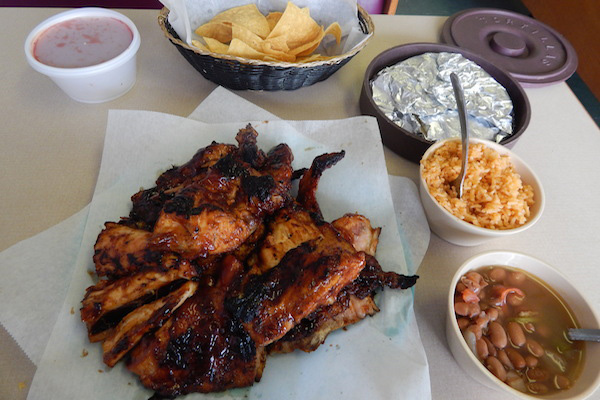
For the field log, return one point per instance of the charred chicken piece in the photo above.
(307, 188)
(201, 348)
(286, 230)
(107, 302)
(148, 203)
(301, 220)
(217, 213)
(357, 229)
(308, 277)
(121, 250)
(354, 302)
(142, 320)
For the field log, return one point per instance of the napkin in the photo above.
(63, 370)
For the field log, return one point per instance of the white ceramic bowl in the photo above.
(589, 379)
(456, 231)
(97, 83)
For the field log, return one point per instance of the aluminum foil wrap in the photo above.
(417, 95)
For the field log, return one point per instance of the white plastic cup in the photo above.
(97, 83)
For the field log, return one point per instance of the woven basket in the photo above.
(239, 73)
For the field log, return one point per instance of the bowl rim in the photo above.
(423, 47)
(121, 58)
(541, 197)
(466, 266)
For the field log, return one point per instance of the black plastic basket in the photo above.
(239, 73)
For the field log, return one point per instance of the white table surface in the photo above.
(51, 147)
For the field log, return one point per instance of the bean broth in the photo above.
(516, 325)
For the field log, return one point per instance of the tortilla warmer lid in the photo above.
(531, 51)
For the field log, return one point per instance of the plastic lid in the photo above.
(532, 52)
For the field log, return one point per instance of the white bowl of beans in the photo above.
(506, 327)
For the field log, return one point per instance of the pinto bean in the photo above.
(461, 308)
(496, 368)
(516, 278)
(531, 361)
(491, 348)
(474, 310)
(534, 348)
(463, 323)
(497, 274)
(476, 331)
(537, 388)
(503, 357)
(537, 375)
(515, 334)
(482, 320)
(492, 313)
(497, 335)
(460, 287)
(474, 281)
(514, 299)
(561, 382)
(482, 349)
(517, 360)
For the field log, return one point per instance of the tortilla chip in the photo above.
(198, 44)
(220, 31)
(336, 30)
(273, 18)
(280, 36)
(247, 16)
(312, 58)
(296, 26)
(215, 46)
(241, 49)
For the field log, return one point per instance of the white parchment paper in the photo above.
(363, 361)
(29, 315)
(187, 15)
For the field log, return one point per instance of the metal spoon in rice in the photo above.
(464, 133)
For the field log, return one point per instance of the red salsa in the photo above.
(82, 42)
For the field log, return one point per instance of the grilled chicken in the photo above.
(143, 320)
(219, 262)
(107, 302)
(307, 188)
(147, 204)
(354, 302)
(308, 276)
(201, 348)
(217, 213)
(121, 250)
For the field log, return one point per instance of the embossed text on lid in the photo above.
(531, 51)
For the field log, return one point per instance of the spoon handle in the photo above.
(592, 335)
(462, 116)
